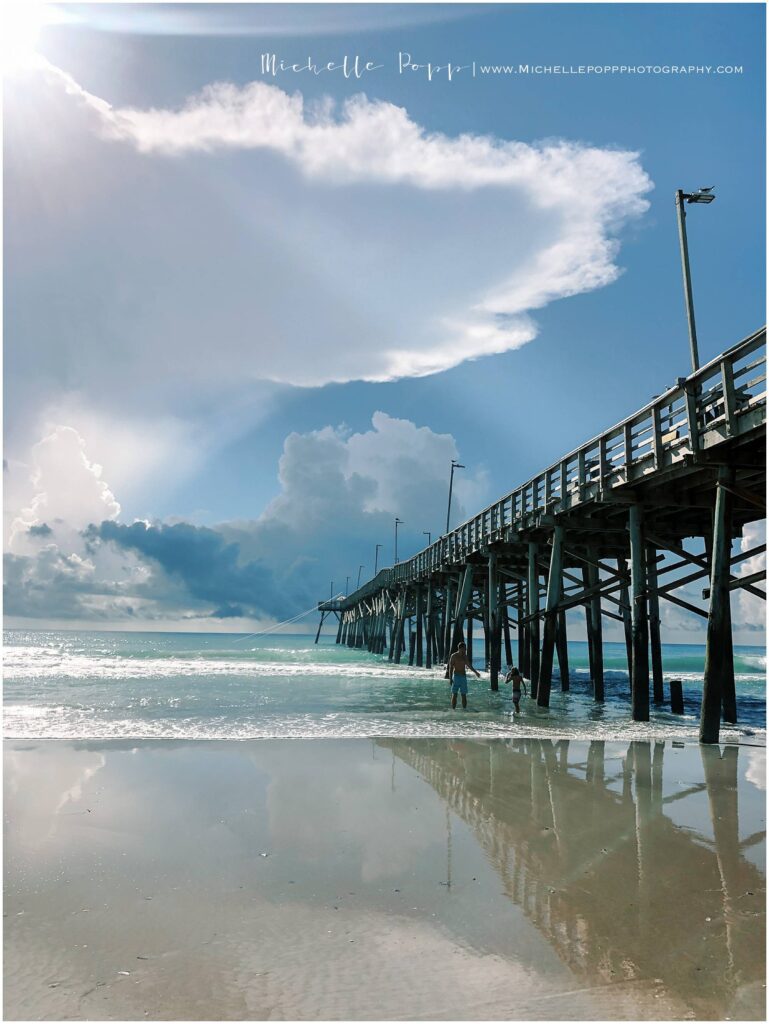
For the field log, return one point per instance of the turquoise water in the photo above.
(82, 685)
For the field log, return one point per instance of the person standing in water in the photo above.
(456, 671)
(515, 677)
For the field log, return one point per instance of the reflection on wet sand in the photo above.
(590, 849)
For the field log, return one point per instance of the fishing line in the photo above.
(285, 622)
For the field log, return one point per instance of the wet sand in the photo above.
(390, 879)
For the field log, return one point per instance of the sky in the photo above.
(251, 317)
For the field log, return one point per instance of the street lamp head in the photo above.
(457, 465)
(703, 195)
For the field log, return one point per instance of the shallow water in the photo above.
(78, 685)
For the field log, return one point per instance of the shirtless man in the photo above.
(456, 671)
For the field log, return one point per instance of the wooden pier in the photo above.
(603, 529)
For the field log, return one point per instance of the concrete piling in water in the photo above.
(676, 697)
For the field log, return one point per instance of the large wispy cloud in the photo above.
(340, 242)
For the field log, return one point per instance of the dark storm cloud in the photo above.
(204, 562)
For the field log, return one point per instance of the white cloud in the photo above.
(751, 610)
(68, 490)
(309, 244)
(756, 769)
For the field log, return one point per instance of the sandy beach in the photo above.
(390, 879)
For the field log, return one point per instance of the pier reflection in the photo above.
(627, 858)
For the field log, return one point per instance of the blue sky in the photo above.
(154, 291)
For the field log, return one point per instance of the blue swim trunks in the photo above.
(459, 684)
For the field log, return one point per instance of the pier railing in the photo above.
(723, 400)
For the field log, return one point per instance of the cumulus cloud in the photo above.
(67, 489)
(339, 494)
(756, 768)
(751, 610)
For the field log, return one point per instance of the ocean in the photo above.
(110, 685)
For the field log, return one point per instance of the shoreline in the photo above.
(462, 879)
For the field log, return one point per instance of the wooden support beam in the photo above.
(429, 627)
(610, 615)
(752, 499)
(654, 624)
(494, 623)
(320, 626)
(533, 610)
(464, 593)
(523, 631)
(639, 677)
(506, 623)
(744, 583)
(395, 629)
(483, 614)
(624, 597)
(554, 585)
(448, 609)
(718, 686)
(419, 613)
(704, 563)
(596, 631)
(561, 644)
(684, 604)
(588, 621)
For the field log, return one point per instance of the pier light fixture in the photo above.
(426, 533)
(376, 557)
(702, 195)
(332, 590)
(454, 465)
(347, 586)
(360, 570)
(398, 522)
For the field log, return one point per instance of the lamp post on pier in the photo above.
(332, 590)
(454, 465)
(397, 523)
(703, 195)
(426, 533)
(347, 586)
(360, 570)
(376, 557)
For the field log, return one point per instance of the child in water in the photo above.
(515, 677)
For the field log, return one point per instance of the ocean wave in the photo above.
(61, 726)
(76, 666)
(47, 665)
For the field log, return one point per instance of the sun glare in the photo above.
(20, 25)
